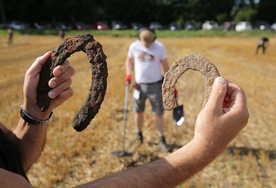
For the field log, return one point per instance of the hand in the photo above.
(223, 117)
(128, 78)
(60, 85)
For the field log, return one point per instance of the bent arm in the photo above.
(222, 118)
(163, 173)
(30, 139)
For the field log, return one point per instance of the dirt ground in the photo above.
(72, 158)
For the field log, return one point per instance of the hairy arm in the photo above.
(218, 123)
(129, 65)
(9, 180)
(165, 65)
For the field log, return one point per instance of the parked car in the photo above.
(243, 26)
(174, 26)
(155, 26)
(273, 26)
(118, 25)
(229, 25)
(16, 25)
(137, 26)
(2, 25)
(100, 26)
(79, 26)
(190, 25)
(40, 26)
(62, 26)
(262, 25)
(210, 25)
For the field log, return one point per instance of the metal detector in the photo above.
(124, 153)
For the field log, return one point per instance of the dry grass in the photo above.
(71, 158)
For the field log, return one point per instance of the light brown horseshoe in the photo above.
(194, 62)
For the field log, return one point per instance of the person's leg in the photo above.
(155, 96)
(160, 124)
(138, 108)
(139, 120)
(257, 49)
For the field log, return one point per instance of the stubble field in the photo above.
(72, 158)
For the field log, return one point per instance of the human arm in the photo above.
(129, 67)
(165, 65)
(30, 139)
(10, 179)
(223, 117)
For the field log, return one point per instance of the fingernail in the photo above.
(52, 84)
(51, 94)
(220, 81)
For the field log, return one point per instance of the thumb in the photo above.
(217, 94)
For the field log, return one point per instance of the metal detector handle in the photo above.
(176, 101)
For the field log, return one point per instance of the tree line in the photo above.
(144, 11)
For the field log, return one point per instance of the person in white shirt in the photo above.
(147, 57)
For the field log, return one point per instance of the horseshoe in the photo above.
(194, 62)
(97, 59)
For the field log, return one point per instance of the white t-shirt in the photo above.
(147, 61)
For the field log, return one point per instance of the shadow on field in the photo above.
(244, 151)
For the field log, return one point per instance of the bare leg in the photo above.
(139, 120)
(160, 128)
(160, 124)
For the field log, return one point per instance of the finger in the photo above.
(59, 89)
(237, 99)
(60, 69)
(55, 81)
(62, 97)
(217, 94)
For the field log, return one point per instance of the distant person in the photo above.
(62, 33)
(262, 43)
(146, 56)
(10, 36)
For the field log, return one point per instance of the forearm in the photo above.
(168, 172)
(129, 65)
(9, 179)
(30, 140)
(165, 65)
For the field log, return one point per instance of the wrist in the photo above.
(209, 148)
(33, 120)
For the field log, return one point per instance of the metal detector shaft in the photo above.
(125, 115)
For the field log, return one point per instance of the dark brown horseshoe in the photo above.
(194, 62)
(97, 59)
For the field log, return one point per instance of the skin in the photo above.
(223, 117)
(218, 123)
(30, 139)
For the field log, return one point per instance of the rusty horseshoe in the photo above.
(97, 59)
